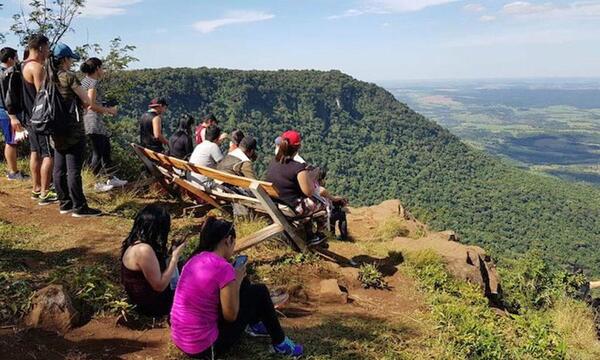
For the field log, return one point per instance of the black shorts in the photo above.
(40, 144)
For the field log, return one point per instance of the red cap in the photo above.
(293, 137)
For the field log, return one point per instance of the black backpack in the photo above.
(11, 83)
(49, 110)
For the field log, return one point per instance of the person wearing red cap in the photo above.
(151, 135)
(294, 181)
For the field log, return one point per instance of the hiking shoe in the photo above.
(316, 240)
(116, 182)
(257, 330)
(66, 209)
(103, 187)
(287, 347)
(35, 195)
(17, 176)
(86, 212)
(49, 198)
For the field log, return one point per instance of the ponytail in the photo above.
(212, 233)
(286, 151)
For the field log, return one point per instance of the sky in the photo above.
(372, 40)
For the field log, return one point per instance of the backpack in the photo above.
(198, 133)
(49, 110)
(11, 81)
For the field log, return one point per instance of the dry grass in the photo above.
(390, 229)
(574, 320)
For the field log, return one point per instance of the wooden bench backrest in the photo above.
(171, 162)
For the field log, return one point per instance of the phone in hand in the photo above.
(240, 261)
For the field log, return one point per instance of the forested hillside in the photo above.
(377, 148)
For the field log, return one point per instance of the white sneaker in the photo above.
(116, 182)
(103, 187)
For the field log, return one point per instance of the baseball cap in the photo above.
(293, 137)
(158, 102)
(62, 51)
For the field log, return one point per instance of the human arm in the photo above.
(216, 154)
(306, 183)
(157, 130)
(38, 74)
(15, 124)
(230, 295)
(248, 170)
(150, 267)
(94, 106)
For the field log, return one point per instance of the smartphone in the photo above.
(240, 261)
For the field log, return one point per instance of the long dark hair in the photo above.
(286, 151)
(213, 232)
(185, 124)
(151, 226)
(91, 65)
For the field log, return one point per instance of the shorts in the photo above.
(40, 144)
(6, 128)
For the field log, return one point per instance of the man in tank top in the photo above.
(151, 135)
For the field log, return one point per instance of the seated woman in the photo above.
(181, 144)
(214, 303)
(295, 181)
(145, 273)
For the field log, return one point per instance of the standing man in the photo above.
(151, 135)
(42, 154)
(9, 122)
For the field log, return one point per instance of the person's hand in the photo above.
(113, 110)
(15, 124)
(178, 249)
(240, 273)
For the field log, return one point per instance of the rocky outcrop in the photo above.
(52, 309)
(330, 292)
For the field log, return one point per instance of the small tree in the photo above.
(50, 17)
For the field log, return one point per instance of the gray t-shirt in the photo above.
(94, 123)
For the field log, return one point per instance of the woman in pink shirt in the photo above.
(214, 303)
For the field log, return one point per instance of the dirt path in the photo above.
(321, 325)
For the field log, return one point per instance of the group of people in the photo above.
(56, 159)
(300, 185)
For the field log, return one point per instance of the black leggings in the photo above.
(67, 176)
(255, 305)
(100, 153)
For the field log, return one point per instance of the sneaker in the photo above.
(257, 330)
(287, 347)
(66, 209)
(49, 198)
(86, 212)
(35, 195)
(17, 176)
(316, 240)
(116, 182)
(103, 187)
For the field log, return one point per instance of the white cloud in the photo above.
(388, 6)
(572, 11)
(233, 17)
(104, 8)
(487, 18)
(474, 8)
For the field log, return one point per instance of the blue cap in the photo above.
(62, 51)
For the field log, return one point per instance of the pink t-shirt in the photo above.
(197, 305)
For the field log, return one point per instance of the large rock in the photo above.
(330, 292)
(52, 309)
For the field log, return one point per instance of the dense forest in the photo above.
(377, 148)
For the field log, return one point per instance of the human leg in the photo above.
(74, 162)
(60, 180)
(96, 163)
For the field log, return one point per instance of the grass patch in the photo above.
(390, 229)
(574, 321)
(15, 297)
(371, 277)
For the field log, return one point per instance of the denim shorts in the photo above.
(6, 128)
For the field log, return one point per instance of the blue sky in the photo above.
(372, 40)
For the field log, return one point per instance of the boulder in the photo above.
(330, 292)
(52, 309)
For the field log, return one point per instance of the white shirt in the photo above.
(206, 154)
(238, 153)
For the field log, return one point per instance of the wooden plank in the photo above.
(208, 172)
(276, 215)
(196, 192)
(258, 237)
(594, 284)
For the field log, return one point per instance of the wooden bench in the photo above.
(169, 170)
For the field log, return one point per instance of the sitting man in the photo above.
(207, 154)
(239, 161)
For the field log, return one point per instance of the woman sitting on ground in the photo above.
(145, 273)
(214, 303)
(295, 181)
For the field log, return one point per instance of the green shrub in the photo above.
(15, 297)
(391, 228)
(371, 277)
